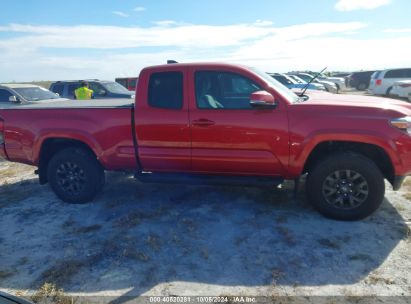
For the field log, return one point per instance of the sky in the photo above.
(57, 40)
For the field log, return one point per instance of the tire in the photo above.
(354, 193)
(388, 91)
(75, 175)
(362, 86)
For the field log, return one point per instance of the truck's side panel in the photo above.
(111, 141)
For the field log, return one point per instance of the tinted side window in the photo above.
(132, 83)
(223, 90)
(394, 74)
(97, 88)
(71, 88)
(4, 95)
(123, 82)
(165, 90)
(58, 88)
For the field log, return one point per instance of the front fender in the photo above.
(300, 150)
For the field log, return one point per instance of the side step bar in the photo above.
(199, 179)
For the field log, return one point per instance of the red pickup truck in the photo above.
(218, 123)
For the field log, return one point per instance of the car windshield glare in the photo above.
(114, 87)
(276, 85)
(36, 93)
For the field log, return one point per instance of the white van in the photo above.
(382, 81)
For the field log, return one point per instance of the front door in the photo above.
(228, 135)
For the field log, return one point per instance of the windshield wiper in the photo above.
(311, 81)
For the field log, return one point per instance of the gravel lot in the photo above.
(159, 240)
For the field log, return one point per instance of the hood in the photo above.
(357, 102)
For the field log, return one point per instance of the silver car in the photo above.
(329, 86)
(14, 93)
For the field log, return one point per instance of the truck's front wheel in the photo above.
(346, 186)
(75, 175)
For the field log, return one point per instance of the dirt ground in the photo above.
(138, 239)
(160, 240)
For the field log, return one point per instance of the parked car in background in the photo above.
(340, 74)
(16, 93)
(294, 84)
(382, 82)
(130, 83)
(360, 80)
(329, 86)
(401, 89)
(102, 89)
(344, 75)
(339, 81)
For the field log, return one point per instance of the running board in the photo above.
(200, 179)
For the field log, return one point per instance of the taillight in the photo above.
(378, 82)
(405, 85)
(1, 132)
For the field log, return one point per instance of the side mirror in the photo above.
(263, 99)
(14, 99)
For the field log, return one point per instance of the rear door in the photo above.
(162, 124)
(228, 135)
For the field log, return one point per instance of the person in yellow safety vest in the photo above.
(83, 92)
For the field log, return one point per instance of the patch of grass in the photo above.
(189, 224)
(287, 235)
(276, 275)
(374, 279)
(136, 255)
(240, 240)
(68, 224)
(329, 244)
(135, 218)
(50, 293)
(5, 274)
(23, 261)
(87, 229)
(60, 274)
(154, 242)
(204, 253)
(407, 183)
(360, 257)
(129, 221)
(408, 196)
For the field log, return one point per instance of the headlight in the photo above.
(403, 123)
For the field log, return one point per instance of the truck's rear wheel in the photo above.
(75, 175)
(346, 186)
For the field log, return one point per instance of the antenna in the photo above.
(308, 84)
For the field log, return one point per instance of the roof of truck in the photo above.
(198, 64)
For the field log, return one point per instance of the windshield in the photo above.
(114, 87)
(280, 88)
(36, 93)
